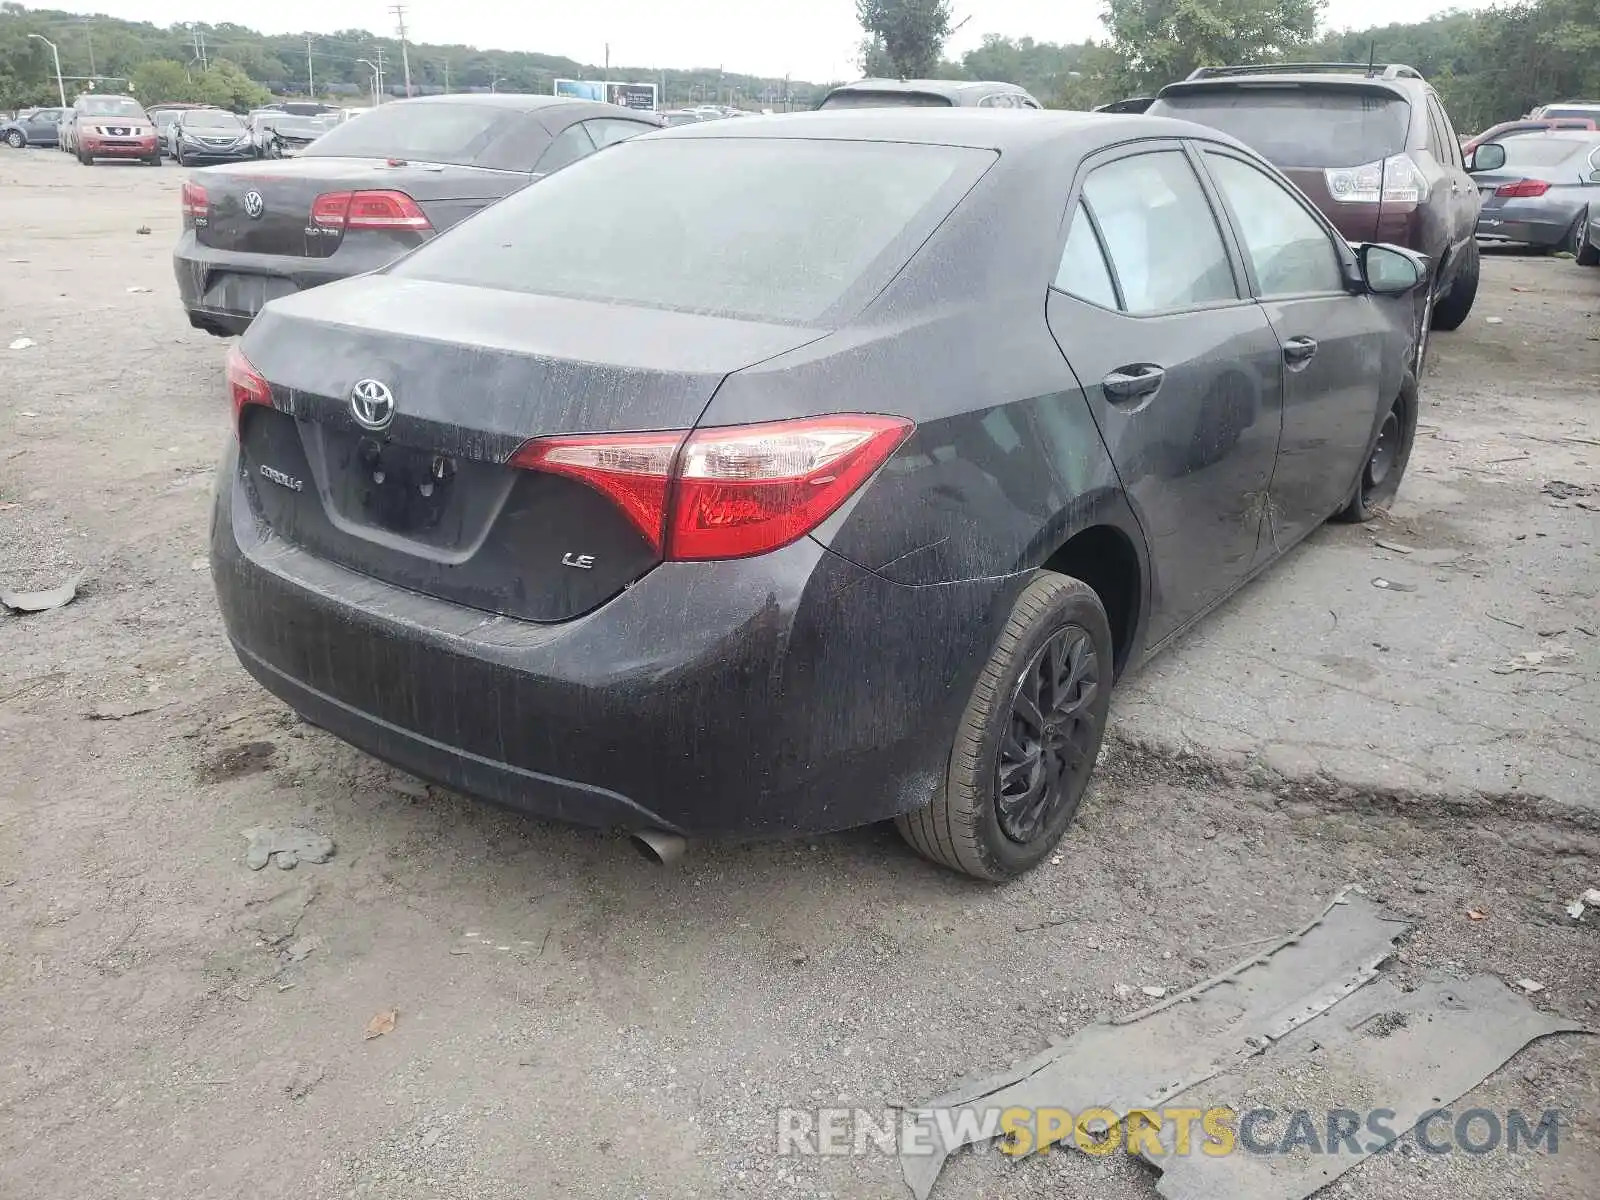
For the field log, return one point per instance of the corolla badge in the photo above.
(372, 404)
(254, 205)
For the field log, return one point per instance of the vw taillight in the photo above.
(193, 201)
(368, 210)
(1395, 180)
(727, 492)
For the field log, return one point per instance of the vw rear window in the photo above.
(779, 229)
(1299, 126)
(455, 134)
(871, 99)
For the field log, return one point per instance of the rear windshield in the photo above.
(868, 99)
(1536, 151)
(765, 229)
(1586, 111)
(211, 120)
(110, 106)
(1300, 126)
(457, 134)
(301, 126)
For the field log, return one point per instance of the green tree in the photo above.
(912, 33)
(162, 80)
(226, 86)
(1159, 41)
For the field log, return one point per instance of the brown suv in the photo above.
(1372, 148)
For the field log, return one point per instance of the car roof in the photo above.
(981, 128)
(940, 87)
(517, 101)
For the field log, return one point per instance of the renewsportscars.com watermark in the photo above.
(842, 1132)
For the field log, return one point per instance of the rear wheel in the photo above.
(1588, 252)
(1451, 309)
(1028, 740)
(1577, 236)
(1386, 462)
(15, 139)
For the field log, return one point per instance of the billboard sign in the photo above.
(628, 95)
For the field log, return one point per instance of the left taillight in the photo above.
(246, 385)
(731, 491)
(1394, 180)
(1523, 188)
(194, 202)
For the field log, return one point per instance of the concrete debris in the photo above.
(42, 601)
(1300, 1011)
(286, 847)
(23, 344)
(1389, 585)
(1530, 985)
(1155, 993)
(1185, 1038)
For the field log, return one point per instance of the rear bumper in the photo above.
(194, 154)
(1513, 223)
(794, 692)
(225, 289)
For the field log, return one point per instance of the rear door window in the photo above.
(1300, 126)
(1083, 272)
(782, 229)
(571, 144)
(1288, 248)
(608, 131)
(1160, 233)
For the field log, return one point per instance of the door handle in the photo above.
(1133, 382)
(1299, 350)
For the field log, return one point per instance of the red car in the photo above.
(99, 126)
(1535, 125)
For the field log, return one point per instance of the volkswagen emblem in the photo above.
(254, 205)
(372, 404)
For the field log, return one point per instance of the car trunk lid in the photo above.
(426, 500)
(267, 207)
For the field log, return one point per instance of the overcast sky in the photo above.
(808, 39)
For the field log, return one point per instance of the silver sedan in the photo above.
(1539, 189)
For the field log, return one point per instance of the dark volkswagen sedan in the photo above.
(368, 190)
(800, 472)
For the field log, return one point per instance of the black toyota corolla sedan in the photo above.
(800, 472)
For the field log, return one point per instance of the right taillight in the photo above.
(727, 492)
(368, 210)
(1523, 188)
(194, 202)
(1395, 180)
(246, 385)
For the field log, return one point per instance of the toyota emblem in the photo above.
(254, 205)
(372, 404)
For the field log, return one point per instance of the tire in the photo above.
(968, 827)
(86, 159)
(1577, 236)
(16, 139)
(1451, 309)
(1386, 461)
(1588, 253)
(155, 159)
(177, 155)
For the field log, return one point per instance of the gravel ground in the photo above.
(573, 1022)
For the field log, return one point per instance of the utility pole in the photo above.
(447, 77)
(88, 36)
(311, 71)
(379, 69)
(607, 76)
(368, 62)
(399, 11)
(61, 87)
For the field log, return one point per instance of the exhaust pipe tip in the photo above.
(659, 847)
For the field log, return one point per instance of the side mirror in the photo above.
(1594, 176)
(1490, 156)
(1389, 270)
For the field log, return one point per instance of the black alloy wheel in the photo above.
(1049, 744)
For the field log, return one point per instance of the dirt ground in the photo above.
(574, 1022)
